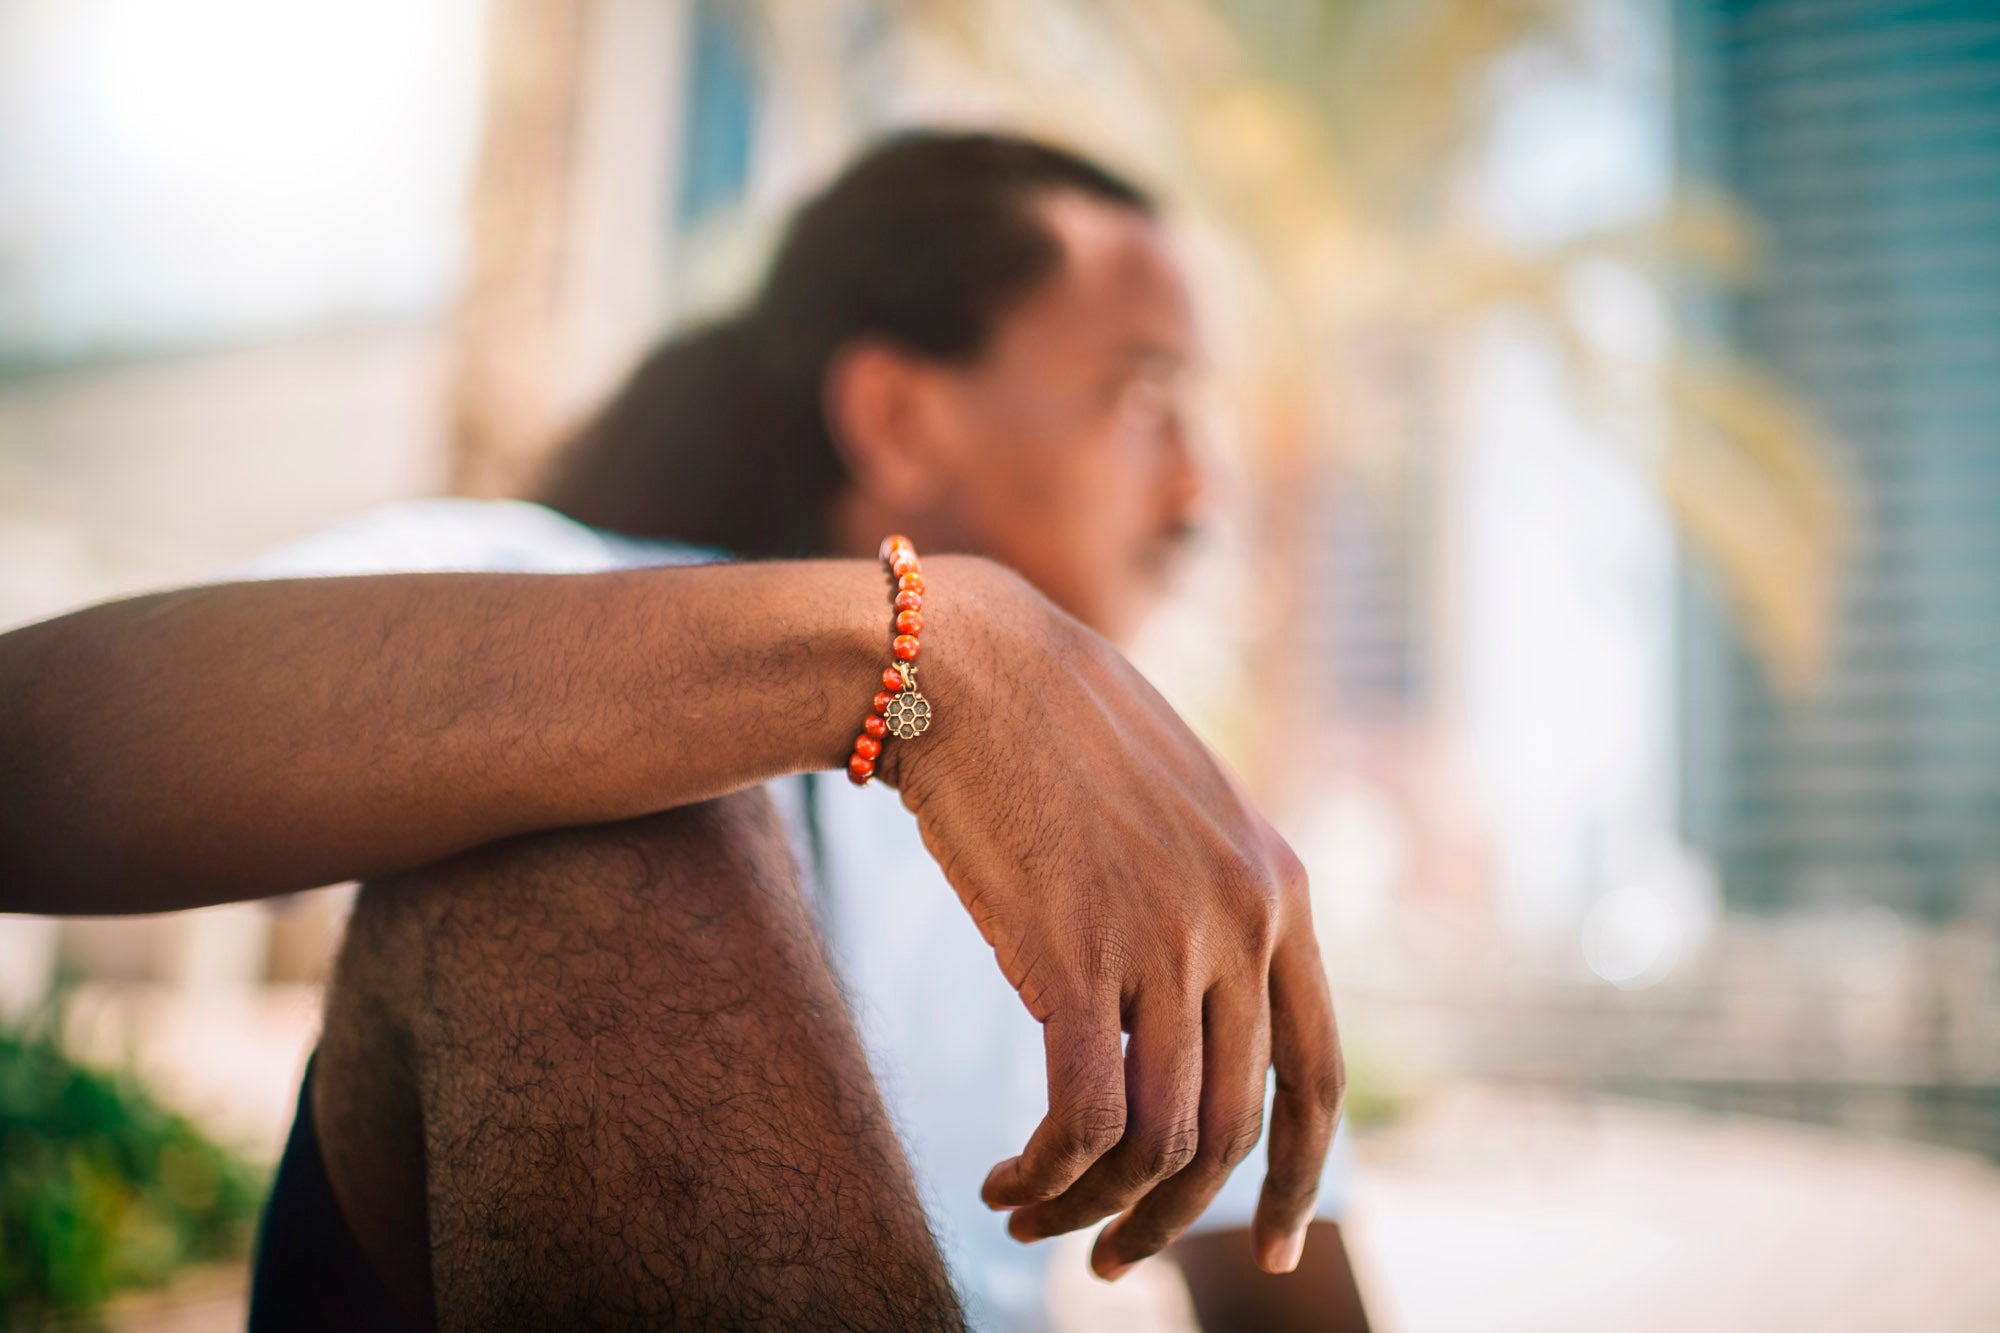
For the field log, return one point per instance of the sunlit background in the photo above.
(1608, 534)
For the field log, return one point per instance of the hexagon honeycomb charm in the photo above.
(909, 715)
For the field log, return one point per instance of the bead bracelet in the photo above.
(899, 710)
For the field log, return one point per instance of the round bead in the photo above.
(894, 543)
(884, 698)
(903, 564)
(910, 582)
(892, 679)
(867, 746)
(905, 647)
(909, 601)
(874, 727)
(909, 622)
(860, 770)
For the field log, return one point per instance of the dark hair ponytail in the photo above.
(720, 439)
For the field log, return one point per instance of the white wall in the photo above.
(1563, 560)
(210, 170)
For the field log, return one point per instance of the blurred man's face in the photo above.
(1072, 462)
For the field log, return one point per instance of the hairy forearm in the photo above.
(247, 739)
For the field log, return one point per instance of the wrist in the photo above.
(830, 642)
(968, 604)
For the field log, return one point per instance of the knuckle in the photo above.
(1261, 930)
(1040, 982)
(1319, 1105)
(1319, 1095)
(1187, 963)
(1245, 884)
(1254, 899)
(1163, 1155)
(1143, 1240)
(1291, 872)
(1292, 1192)
(1091, 1128)
(1237, 1139)
(1329, 1091)
(1102, 955)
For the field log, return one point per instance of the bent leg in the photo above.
(1230, 1292)
(621, 1069)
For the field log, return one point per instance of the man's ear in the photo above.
(879, 411)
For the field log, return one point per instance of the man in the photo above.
(582, 1070)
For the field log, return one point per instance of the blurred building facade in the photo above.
(1854, 977)
(1866, 140)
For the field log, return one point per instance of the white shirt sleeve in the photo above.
(451, 535)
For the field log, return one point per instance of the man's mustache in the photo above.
(1171, 544)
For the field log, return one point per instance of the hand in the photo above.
(1125, 884)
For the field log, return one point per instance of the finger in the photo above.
(1236, 1052)
(1305, 1054)
(1163, 1123)
(1086, 1108)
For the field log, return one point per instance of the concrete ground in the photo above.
(1502, 1212)
(1497, 1212)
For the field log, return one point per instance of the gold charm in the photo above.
(909, 715)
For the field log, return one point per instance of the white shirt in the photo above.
(958, 1059)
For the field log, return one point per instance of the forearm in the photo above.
(247, 739)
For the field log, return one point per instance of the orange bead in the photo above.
(884, 698)
(873, 727)
(909, 622)
(860, 770)
(910, 582)
(867, 746)
(894, 543)
(909, 601)
(892, 680)
(903, 564)
(905, 647)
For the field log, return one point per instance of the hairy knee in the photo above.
(640, 1015)
(678, 858)
(696, 904)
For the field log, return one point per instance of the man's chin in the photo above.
(1157, 574)
(1120, 613)
(1136, 608)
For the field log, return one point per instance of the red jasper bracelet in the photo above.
(899, 710)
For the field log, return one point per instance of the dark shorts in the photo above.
(310, 1273)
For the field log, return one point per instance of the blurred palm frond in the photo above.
(1331, 137)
